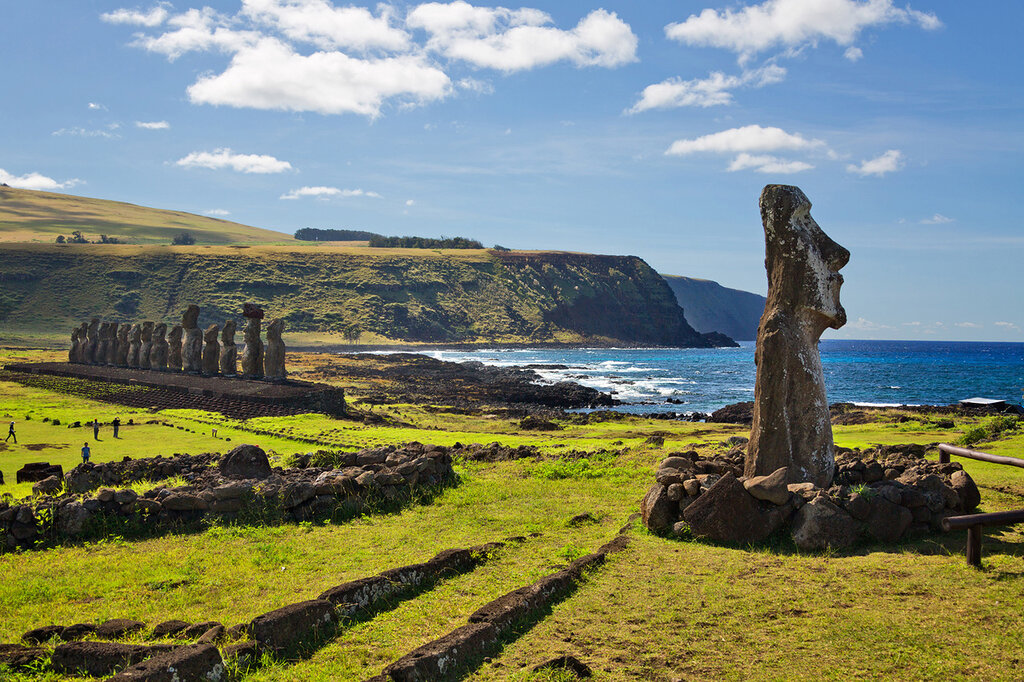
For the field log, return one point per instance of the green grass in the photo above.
(661, 610)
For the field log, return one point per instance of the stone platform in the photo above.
(235, 397)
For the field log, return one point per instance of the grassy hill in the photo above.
(711, 307)
(32, 216)
(337, 292)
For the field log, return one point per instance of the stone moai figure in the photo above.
(158, 351)
(92, 340)
(112, 331)
(228, 351)
(174, 348)
(211, 351)
(101, 343)
(192, 351)
(75, 345)
(791, 419)
(252, 356)
(83, 337)
(273, 356)
(146, 345)
(123, 345)
(134, 345)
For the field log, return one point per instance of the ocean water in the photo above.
(703, 380)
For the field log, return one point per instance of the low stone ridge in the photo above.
(881, 495)
(289, 626)
(97, 658)
(89, 476)
(190, 662)
(446, 657)
(388, 475)
(38, 471)
(19, 657)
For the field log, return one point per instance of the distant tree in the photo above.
(499, 247)
(426, 243)
(183, 239)
(60, 239)
(77, 238)
(104, 239)
(351, 332)
(312, 234)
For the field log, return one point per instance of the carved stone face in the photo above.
(147, 331)
(228, 334)
(190, 316)
(211, 334)
(803, 262)
(274, 329)
(159, 331)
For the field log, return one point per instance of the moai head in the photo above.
(190, 317)
(135, 334)
(159, 331)
(104, 330)
(210, 335)
(803, 262)
(93, 329)
(174, 337)
(147, 331)
(83, 331)
(227, 336)
(274, 329)
(122, 333)
(75, 335)
(252, 331)
(112, 330)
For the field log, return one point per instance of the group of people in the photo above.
(86, 452)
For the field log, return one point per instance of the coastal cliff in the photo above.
(356, 294)
(710, 306)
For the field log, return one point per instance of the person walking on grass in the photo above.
(85, 453)
(11, 434)
(95, 429)
(116, 424)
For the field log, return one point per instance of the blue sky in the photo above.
(644, 128)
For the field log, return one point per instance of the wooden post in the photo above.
(974, 545)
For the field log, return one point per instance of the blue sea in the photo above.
(703, 380)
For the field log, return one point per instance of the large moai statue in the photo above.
(211, 351)
(123, 345)
(101, 343)
(158, 351)
(134, 345)
(273, 356)
(83, 338)
(791, 419)
(174, 348)
(146, 344)
(252, 356)
(192, 351)
(228, 351)
(112, 331)
(76, 343)
(92, 340)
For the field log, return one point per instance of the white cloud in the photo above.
(410, 202)
(768, 164)
(326, 192)
(321, 23)
(853, 54)
(890, 161)
(752, 138)
(243, 163)
(967, 325)
(792, 24)
(865, 325)
(96, 106)
(154, 17)
(153, 125)
(270, 75)
(474, 85)
(197, 30)
(217, 211)
(1007, 325)
(35, 181)
(937, 219)
(514, 40)
(704, 92)
(78, 131)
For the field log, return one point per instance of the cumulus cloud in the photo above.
(792, 24)
(35, 181)
(768, 164)
(937, 219)
(889, 162)
(365, 58)
(327, 192)
(270, 75)
(153, 125)
(1007, 325)
(704, 92)
(514, 40)
(410, 202)
(217, 212)
(243, 163)
(153, 17)
(96, 106)
(752, 138)
(853, 54)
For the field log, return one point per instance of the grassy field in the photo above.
(38, 217)
(661, 610)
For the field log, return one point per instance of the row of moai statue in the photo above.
(186, 348)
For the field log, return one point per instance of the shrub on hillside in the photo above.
(183, 239)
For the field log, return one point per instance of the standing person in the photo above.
(95, 429)
(85, 452)
(11, 434)
(116, 424)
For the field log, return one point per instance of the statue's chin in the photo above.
(839, 319)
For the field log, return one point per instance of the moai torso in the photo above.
(158, 351)
(145, 344)
(211, 351)
(228, 351)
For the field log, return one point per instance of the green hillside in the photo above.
(39, 217)
(711, 307)
(336, 293)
